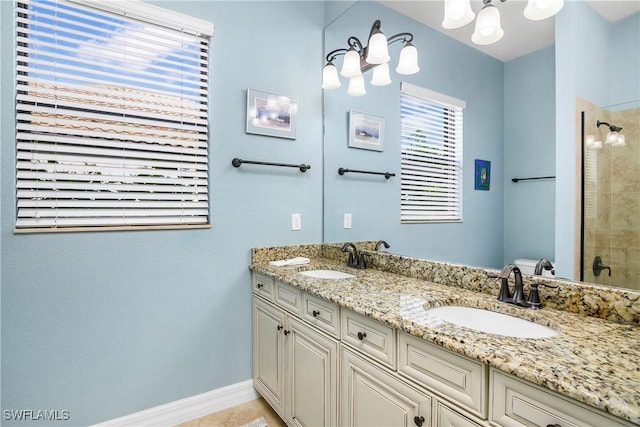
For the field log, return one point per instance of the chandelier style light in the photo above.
(375, 55)
(458, 13)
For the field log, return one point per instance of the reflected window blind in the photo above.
(111, 116)
(431, 151)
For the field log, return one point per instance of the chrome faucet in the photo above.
(380, 243)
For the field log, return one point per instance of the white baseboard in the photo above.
(183, 410)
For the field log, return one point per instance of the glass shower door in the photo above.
(611, 196)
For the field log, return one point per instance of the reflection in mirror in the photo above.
(510, 120)
(611, 195)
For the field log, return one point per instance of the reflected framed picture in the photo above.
(272, 115)
(482, 175)
(366, 131)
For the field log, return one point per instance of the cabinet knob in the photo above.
(280, 327)
(315, 313)
(362, 335)
(287, 332)
(259, 285)
(418, 420)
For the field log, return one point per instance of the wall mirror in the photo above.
(482, 238)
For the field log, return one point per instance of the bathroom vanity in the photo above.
(363, 351)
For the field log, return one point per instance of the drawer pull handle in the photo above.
(554, 425)
(286, 332)
(418, 420)
(259, 285)
(362, 335)
(280, 327)
(315, 313)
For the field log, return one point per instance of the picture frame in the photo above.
(366, 131)
(271, 114)
(482, 175)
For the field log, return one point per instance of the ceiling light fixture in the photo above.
(458, 13)
(359, 58)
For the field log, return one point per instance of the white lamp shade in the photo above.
(612, 137)
(330, 79)
(488, 29)
(620, 141)
(408, 62)
(380, 75)
(590, 140)
(542, 9)
(351, 64)
(597, 144)
(457, 13)
(377, 51)
(356, 86)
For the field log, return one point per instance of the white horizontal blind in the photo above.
(431, 150)
(111, 120)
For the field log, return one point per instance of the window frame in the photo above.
(431, 189)
(137, 13)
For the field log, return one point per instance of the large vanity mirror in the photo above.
(509, 120)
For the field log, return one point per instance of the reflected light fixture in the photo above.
(359, 59)
(488, 30)
(614, 137)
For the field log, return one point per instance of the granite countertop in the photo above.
(591, 360)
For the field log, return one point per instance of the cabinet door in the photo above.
(268, 353)
(312, 383)
(372, 397)
(447, 417)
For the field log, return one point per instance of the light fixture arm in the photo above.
(355, 44)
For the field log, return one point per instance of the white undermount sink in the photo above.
(491, 322)
(327, 274)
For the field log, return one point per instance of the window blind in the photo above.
(431, 156)
(111, 119)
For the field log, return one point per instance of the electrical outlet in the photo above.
(347, 220)
(296, 222)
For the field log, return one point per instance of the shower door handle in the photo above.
(598, 266)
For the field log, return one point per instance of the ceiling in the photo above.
(521, 36)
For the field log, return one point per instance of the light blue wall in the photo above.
(529, 151)
(449, 67)
(624, 58)
(107, 324)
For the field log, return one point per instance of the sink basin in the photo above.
(491, 322)
(327, 274)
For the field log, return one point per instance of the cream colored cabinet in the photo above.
(295, 367)
(268, 353)
(516, 403)
(373, 397)
(447, 417)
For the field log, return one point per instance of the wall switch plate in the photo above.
(347, 220)
(296, 222)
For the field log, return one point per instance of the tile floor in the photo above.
(238, 415)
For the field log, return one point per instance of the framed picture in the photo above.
(272, 115)
(366, 131)
(483, 175)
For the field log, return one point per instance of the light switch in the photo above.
(296, 222)
(347, 220)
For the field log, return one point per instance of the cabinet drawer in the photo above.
(447, 417)
(370, 337)
(517, 403)
(321, 313)
(288, 297)
(459, 378)
(263, 286)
